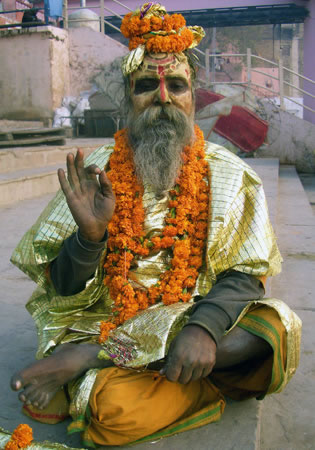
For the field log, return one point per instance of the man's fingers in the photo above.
(106, 185)
(79, 164)
(92, 171)
(172, 370)
(197, 374)
(65, 186)
(185, 376)
(206, 371)
(72, 172)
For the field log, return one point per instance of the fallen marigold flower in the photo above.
(21, 437)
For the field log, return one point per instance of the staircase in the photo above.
(282, 421)
(28, 172)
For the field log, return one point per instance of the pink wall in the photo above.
(309, 61)
(180, 5)
(263, 80)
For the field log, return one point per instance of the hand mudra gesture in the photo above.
(89, 196)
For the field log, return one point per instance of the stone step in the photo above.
(239, 427)
(32, 172)
(27, 184)
(268, 170)
(287, 419)
(32, 136)
(308, 182)
(19, 158)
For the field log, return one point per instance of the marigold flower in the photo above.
(167, 242)
(170, 231)
(21, 437)
(135, 42)
(185, 297)
(11, 445)
(186, 221)
(105, 329)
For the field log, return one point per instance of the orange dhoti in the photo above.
(128, 406)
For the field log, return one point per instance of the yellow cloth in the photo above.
(55, 412)
(127, 406)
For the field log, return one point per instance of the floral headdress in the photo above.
(151, 30)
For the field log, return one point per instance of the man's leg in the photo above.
(240, 346)
(40, 381)
(244, 373)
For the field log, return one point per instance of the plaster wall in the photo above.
(59, 65)
(39, 66)
(32, 72)
(90, 51)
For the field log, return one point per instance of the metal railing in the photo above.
(101, 19)
(248, 60)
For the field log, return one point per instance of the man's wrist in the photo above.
(199, 327)
(91, 244)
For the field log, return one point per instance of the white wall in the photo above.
(89, 52)
(41, 65)
(33, 77)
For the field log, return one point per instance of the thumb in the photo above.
(106, 185)
(163, 370)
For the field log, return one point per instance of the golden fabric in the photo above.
(240, 237)
(5, 437)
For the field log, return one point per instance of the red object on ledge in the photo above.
(242, 127)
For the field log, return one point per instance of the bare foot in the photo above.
(40, 381)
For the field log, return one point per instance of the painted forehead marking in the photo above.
(163, 65)
(155, 61)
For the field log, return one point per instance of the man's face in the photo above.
(162, 80)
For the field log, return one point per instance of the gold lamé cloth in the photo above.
(5, 437)
(240, 237)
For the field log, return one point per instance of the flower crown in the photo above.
(151, 30)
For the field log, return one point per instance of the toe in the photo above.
(44, 400)
(22, 397)
(16, 382)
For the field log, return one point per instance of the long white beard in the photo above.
(158, 136)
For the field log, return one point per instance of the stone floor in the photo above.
(285, 421)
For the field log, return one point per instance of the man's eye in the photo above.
(145, 86)
(177, 86)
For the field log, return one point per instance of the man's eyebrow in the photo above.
(178, 78)
(148, 77)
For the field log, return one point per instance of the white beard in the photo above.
(157, 137)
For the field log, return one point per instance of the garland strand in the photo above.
(184, 234)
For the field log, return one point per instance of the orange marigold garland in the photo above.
(133, 25)
(184, 234)
(21, 437)
(159, 34)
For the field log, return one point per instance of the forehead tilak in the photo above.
(162, 66)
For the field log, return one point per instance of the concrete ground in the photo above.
(288, 419)
(285, 421)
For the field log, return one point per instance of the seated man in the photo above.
(151, 271)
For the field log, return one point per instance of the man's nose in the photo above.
(162, 95)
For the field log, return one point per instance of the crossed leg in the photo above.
(39, 382)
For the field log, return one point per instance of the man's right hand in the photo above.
(89, 196)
